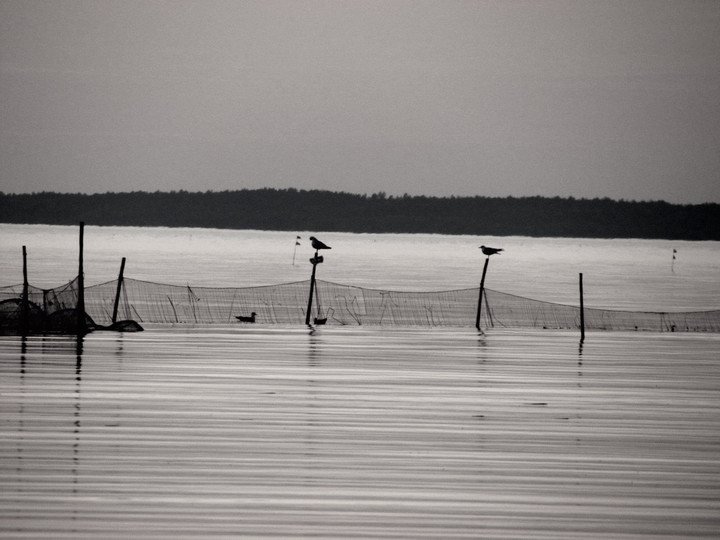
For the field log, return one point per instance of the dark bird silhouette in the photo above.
(490, 251)
(317, 244)
(250, 319)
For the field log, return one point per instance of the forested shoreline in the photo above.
(314, 210)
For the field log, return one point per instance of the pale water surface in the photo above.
(618, 274)
(356, 433)
(353, 432)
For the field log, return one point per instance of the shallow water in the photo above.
(354, 432)
(617, 274)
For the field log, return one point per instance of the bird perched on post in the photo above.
(490, 251)
(317, 244)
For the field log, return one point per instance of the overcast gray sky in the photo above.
(582, 98)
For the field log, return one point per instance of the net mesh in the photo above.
(148, 302)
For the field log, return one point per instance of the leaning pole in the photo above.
(118, 291)
(482, 290)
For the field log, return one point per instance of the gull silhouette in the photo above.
(317, 244)
(490, 251)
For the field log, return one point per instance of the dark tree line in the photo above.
(293, 210)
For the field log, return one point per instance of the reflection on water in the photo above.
(76, 431)
(42, 404)
(359, 432)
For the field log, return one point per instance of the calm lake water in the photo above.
(617, 274)
(353, 432)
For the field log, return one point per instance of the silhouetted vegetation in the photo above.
(292, 209)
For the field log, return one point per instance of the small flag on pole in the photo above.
(297, 243)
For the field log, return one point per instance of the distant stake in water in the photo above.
(297, 243)
(672, 264)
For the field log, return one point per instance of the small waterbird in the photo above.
(317, 244)
(250, 319)
(490, 251)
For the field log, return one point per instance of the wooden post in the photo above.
(482, 290)
(24, 306)
(80, 308)
(582, 311)
(117, 293)
(315, 260)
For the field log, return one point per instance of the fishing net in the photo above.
(47, 310)
(336, 304)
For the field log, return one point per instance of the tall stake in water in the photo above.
(582, 312)
(482, 289)
(486, 251)
(317, 259)
(80, 309)
(24, 306)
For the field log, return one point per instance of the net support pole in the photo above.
(80, 308)
(482, 290)
(117, 292)
(582, 310)
(315, 261)
(24, 306)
